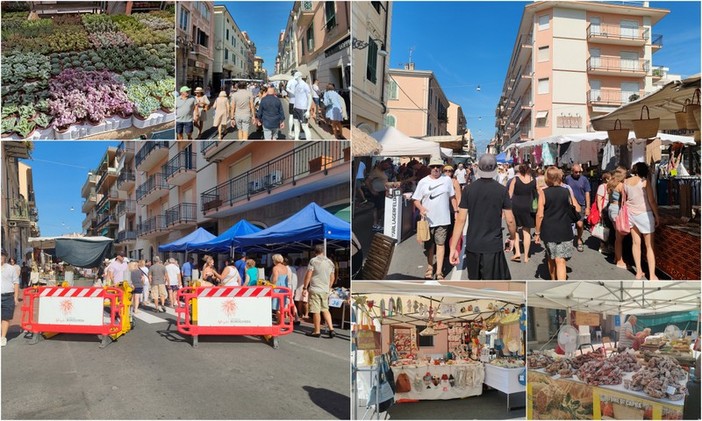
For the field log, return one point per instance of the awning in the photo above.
(224, 241)
(396, 143)
(181, 244)
(363, 144)
(665, 138)
(541, 114)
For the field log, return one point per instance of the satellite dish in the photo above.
(672, 332)
(568, 339)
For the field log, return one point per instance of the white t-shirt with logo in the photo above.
(460, 175)
(435, 195)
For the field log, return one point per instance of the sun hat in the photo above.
(222, 94)
(184, 89)
(199, 89)
(436, 161)
(448, 167)
(487, 166)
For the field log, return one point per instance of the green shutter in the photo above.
(371, 68)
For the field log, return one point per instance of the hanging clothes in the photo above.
(569, 153)
(638, 151)
(549, 154)
(609, 157)
(589, 151)
(536, 153)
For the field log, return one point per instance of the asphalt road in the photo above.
(153, 372)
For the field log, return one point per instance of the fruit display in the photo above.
(660, 378)
(539, 360)
(507, 362)
(600, 372)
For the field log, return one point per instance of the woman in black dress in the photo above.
(522, 191)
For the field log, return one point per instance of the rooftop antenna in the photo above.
(411, 50)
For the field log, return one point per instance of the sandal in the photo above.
(429, 273)
(580, 247)
(439, 277)
(516, 258)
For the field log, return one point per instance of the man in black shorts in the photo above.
(484, 201)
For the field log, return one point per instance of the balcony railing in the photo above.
(124, 236)
(181, 213)
(289, 167)
(610, 31)
(147, 148)
(128, 206)
(125, 176)
(124, 147)
(657, 41)
(19, 210)
(105, 218)
(616, 64)
(610, 96)
(154, 182)
(206, 144)
(183, 161)
(153, 224)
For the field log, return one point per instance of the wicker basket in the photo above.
(618, 136)
(681, 116)
(645, 128)
(697, 136)
(693, 112)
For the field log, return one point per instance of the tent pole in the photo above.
(325, 246)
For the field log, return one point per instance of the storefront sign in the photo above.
(393, 215)
(609, 404)
(200, 64)
(340, 46)
(587, 319)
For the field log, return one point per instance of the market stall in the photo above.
(441, 340)
(648, 380)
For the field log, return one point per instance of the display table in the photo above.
(473, 373)
(569, 398)
(506, 380)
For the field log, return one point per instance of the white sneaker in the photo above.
(3, 342)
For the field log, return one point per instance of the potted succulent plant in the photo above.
(25, 127)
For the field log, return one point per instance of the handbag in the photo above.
(600, 231)
(403, 384)
(622, 221)
(423, 230)
(535, 204)
(573, 213)
(382, 393)
(594, 217)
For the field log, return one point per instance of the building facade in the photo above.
(456, 120)
(231, 49)
(19, 211)
(417, 106)
(605, 49)
(195, 30)
(372, 23)
(287, 58)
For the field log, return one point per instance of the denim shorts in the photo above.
(187, 127)
(8, 306)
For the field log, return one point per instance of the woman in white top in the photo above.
(230, 276)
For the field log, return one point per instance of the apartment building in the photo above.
(370, 45)
(150, 193)
(231, 51)
(323, 34)
(250, 54)
(417, 106)
(195, 31)
(259, 72)
(19, 211)
(286, 60)
(572, 61)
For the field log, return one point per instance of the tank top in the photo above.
(230, 280)
(636, 198)
(556, 226)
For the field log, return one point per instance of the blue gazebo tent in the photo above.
(502, 158)
(226, 240)
(199, 235)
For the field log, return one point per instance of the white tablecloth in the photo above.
(475, 376)
(504, 379)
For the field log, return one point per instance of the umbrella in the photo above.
(280, 78)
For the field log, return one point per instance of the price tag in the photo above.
(335, 302)
(671, 390)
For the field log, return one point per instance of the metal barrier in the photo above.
(235, 311)
(51, 310)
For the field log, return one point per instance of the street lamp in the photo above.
(360, 45)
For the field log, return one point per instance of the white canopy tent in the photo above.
(624, 297)
(602, 137)
(396, 143)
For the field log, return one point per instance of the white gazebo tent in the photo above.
(396, 143)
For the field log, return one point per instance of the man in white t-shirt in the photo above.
(10, 295)
(173, 280)
(117, 271)
(435, 199)
(460, 175)
(302, 102)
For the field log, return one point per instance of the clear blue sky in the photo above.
(59, 170)
(263, 21)
(468, 44)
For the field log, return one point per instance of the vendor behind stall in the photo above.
(626, 334)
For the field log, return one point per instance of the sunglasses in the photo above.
(435, 167)
(448, 170)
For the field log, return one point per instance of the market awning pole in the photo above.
(325, 246)
(354, 372)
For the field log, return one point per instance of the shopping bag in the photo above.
(403, 384)
(622, 221)
(422, 230)
(600, 231)
(594, 217)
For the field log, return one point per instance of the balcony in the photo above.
(89, 202)
(290, 167)
(127, 207)
(106, 179)
(116, 195)
(18, 210)
(210, 149)
(152, 227)
(305, 14)
(611, 97)
(181, 168)
(89, 185)
(126, 180)
(106, 218)
(181, 215)
(126, 237)
(150, 154)
(656, 42)
(153, 189)
(615, 66)
(126, 150)
(616, 35)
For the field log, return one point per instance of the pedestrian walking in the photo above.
(615, 189)
(281, 276)
(201, 107)
(145, 279)
(643, 217)
(449, 172)
(375, 182)
(302, 101)
(116, 271)
(251, 274)
(318, 281)
(10, 295)
(174, 281)
(25, 274)
(242, 110)
(315, 97)
(333, 109)
(580, 186)
(461, 175)
(157, 279)
(435, 199)
(222, 113)
(270, 115)
(522, 192)
(554, 222)
(240, 265)
(601, 199)
(301, 294)
(187, 271)
(210, 275)
(136, 279)
(483, 204)
(185, 111)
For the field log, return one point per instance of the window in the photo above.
(202, 38)
(329, 14)
(392, 90)
(390, 120)
(376, 5)
(227, 34)
(544, 53)
(541, 118)
(184, 18)
(310, 39)
(226, 54)
(543, 22)
(372, 61)
(543, 86)
(424, 340)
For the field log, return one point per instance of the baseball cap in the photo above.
(487, 166)
(184, 89)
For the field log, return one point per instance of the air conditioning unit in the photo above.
(275, 178)
(254, 186)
